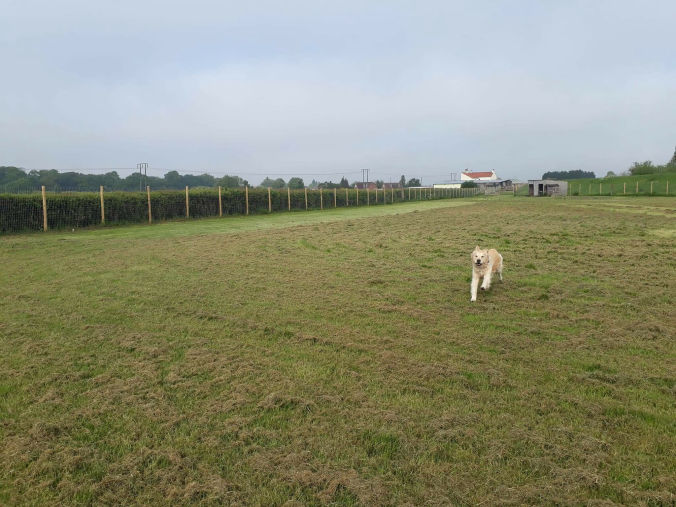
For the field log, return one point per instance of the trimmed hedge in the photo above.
(83, 209)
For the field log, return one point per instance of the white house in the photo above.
(478, 176)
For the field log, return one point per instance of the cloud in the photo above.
(424, 89)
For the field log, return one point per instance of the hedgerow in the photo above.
(82, 209)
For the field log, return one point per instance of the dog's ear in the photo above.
(477, 248)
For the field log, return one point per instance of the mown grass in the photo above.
(625, 186)
(335, 358)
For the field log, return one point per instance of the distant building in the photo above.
(495, 186)
(540, 188)
(450, 184)
(478, 176)
(389, 186)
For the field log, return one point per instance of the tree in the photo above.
(673, 159)
(413, 182)
(296, 183)
(173, 180)
(9, 174)
(402, 181)
(232, 182)
(468, 184)
(201, 180)
(111, 180)
(13, 179)
(645, 167)
(379, 183)
(344, 183)
(610, 174)
(70, 180)
(278, 183)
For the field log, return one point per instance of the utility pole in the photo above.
(364, 175)
(142, 169)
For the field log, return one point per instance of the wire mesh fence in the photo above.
(33, 209)
(643, 187)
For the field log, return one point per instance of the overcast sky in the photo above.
(324, 89)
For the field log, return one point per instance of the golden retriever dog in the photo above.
(484, 263)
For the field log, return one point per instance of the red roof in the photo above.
(480, 174)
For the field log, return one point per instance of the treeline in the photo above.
(297, 183)
(16, 179)
(647, 167)
(568, 175)
(411, 182)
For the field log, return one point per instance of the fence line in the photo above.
(642, 187)
(44, 210)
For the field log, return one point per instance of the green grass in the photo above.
(334, 358)
(625, 185)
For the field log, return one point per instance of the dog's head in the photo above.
(479, 256)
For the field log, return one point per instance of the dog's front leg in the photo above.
(487, 281)
(475, 286)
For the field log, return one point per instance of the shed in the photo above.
(492, 187)
(540, 188)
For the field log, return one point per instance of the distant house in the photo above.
(478, 176)
(363, 185)
(540, 188)
(389, 186)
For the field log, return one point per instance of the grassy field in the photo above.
(618, 185)
(334, 358)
